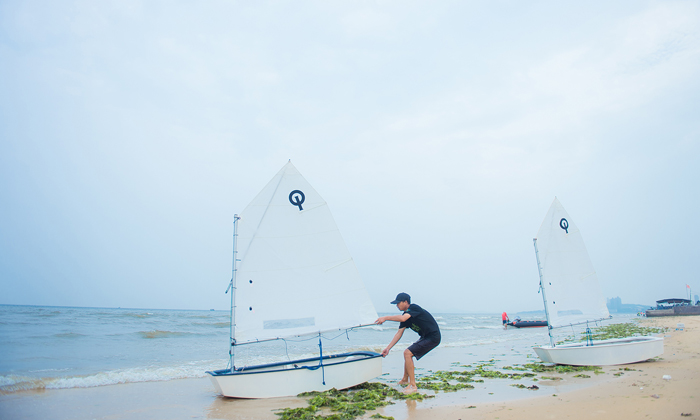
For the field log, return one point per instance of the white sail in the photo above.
(569, 280)
(295, 275)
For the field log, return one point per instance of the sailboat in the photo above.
(293, 276)
(572, 296)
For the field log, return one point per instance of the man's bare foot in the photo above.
(403, 382)
(410, 389)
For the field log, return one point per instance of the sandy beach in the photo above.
(637, 392)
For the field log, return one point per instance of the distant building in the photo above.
(615, 306)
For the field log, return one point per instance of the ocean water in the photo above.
(66, 347)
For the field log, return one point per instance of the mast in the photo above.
(232, 287)
(544, 296)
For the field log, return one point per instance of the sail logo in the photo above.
(297, 198)
(564, 224)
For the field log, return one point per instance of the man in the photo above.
(504, 318)
(420, 321)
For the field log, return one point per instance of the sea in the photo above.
(46, 347)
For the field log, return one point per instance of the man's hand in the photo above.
(380, 320)
(385, 352)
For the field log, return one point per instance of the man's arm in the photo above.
(395, 340)
(397, 318)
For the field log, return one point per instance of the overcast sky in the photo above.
(438, 132)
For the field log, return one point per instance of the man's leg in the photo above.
(409, 372)
(405, 380)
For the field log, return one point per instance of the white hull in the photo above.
(292, 378)
(603, 353)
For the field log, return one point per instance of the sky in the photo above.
(438, 133)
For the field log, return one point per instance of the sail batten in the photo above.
(573, 294)
(296, 275)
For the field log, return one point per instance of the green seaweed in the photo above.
(440, 377)
(304, 413)
(514, 368)
(443, 386)
(540, 367)
(531, 387)
(347, 404)
(622, 330)
(355, 402)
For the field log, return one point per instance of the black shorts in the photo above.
(421, 347)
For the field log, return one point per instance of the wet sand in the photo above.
(639, 394)
(630, 395)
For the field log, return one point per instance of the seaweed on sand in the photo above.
(531, 387)
(450, 381)
(541, 367)
(347, 404)
(356, 401)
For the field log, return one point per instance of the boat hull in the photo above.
(603, 353)
(528, 324)
(294, 377)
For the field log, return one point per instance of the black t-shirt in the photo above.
(421, 322)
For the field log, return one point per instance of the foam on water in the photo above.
(14, 383)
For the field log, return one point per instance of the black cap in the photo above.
(401, 297)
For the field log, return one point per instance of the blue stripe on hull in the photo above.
(270, 367)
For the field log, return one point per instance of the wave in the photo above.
(50, 370)
(163, 334)
(197, 369)
(15, 383)
(47, 315)
(69, 335)
(377, 348)
(211, 324)
(472, 327)
(466, 327)
(476, 342)
(133, 315)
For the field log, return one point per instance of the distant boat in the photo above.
(572, 296)
(293, 276)
(527, 324)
